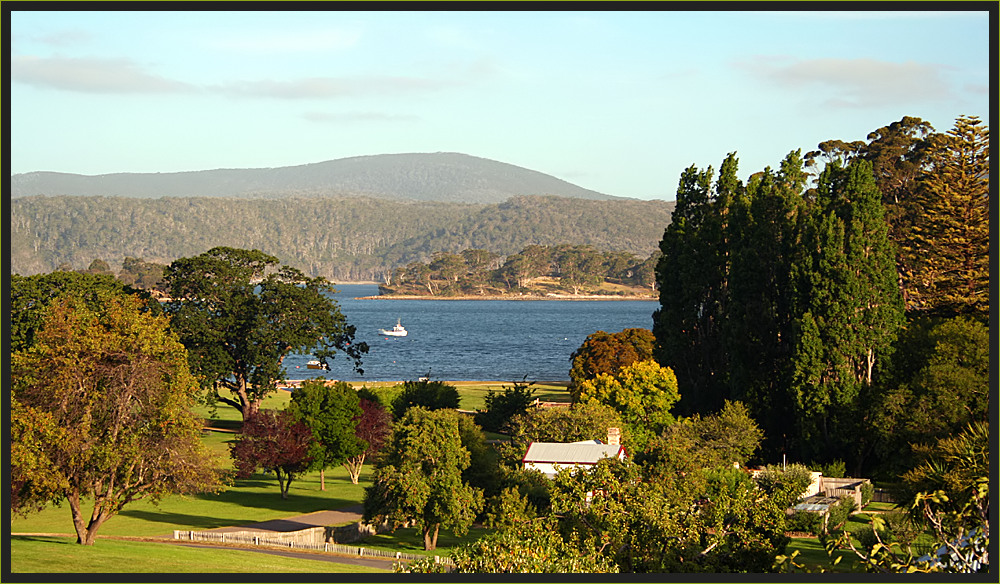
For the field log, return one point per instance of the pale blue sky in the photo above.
(615, 101)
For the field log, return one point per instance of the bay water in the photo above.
(471, 340)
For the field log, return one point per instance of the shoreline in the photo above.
(524, 297)
(289, 384)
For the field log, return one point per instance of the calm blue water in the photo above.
(471, 340)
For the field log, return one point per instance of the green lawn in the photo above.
(812, 554)
(246, 501)
(472, 395)
(62, 555)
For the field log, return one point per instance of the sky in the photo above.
(617, 101)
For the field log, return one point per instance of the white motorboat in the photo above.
(316, 364)
(396, 331)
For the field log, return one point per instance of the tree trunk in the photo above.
(431, 536)
(322, 479)
(283, 484)
(353, 466)
(86, 533)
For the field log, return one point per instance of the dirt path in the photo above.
(315, 519)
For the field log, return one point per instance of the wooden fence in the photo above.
(288, 541)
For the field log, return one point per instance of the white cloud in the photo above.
(350, 117)
(331, 87)
(855, 83)
(90, 75)
(291, 42)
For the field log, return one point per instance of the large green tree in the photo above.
(240, 313)
(691, 277)
(430, 395)
(778, 296)
(31, 295)
(331, 411)
(419, 478)
(762, 241)
(101, 410)
(939, 383)
(643, 393)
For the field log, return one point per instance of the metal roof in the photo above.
(579, 453)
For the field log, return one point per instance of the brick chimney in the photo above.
(614, 436)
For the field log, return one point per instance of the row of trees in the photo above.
(474, 271)
(104, 378)
(789, 297)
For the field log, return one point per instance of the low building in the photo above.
(550, 457)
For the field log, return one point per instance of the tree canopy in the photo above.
(947, 246)
(427, 394)
(419, 478)
(276, 441)
(240, 313)
(603, 352)
(643, 393)
(101, 408)
(783, 298)
(31, 295)
(372, 427)
(331, 411)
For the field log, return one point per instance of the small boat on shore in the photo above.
(396, 331)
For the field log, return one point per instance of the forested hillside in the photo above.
(338, 238)
(439, 176)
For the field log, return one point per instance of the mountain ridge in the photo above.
(439, 177)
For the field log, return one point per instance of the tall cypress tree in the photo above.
(763, 241)
(692, 278)
(847, 310)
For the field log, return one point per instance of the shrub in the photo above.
(867, 490)
(804, 522)
(839, 513)
(430, 395)
(901, 527)
(500, 408)
(834, 469)
(784, 485)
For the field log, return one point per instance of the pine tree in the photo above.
(948, 247)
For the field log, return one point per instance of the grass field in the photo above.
(31, 554)
(248, 501)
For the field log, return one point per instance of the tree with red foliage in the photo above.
(274, 441)
(374, 426)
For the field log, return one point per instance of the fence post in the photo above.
(190, 535)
